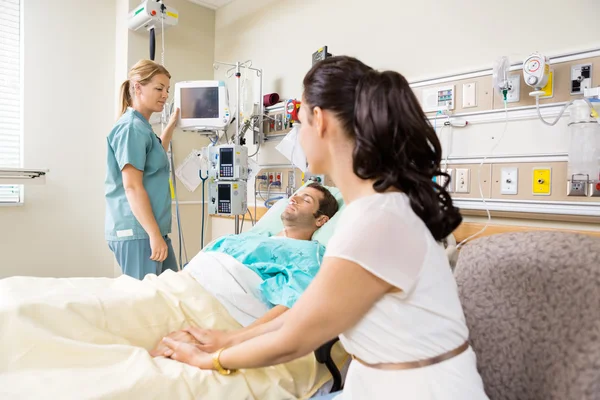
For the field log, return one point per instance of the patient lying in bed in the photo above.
(271, 272)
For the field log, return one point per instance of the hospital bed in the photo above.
(82, 338)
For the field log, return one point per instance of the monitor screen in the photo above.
(227, 156)
(224, 192)
(200, 102)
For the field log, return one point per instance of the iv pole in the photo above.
(237, 66)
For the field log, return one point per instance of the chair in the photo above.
(323, 356)
(532, 305)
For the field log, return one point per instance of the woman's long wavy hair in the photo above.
(394, 142)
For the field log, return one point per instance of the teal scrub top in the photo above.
(132, 141)
(286, 266)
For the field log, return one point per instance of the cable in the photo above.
(242, 225)
(537, 106)
(487, 209)
(251, 217)
(203, 179)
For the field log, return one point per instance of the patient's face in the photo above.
(302, 208)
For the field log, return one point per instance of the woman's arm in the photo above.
(340, 295)
(167, 134)
(142, 210)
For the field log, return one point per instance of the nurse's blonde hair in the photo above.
(142, 72)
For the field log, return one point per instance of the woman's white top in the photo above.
(383, 235)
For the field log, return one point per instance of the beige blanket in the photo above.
(87, 338)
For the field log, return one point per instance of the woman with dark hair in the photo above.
(385, 285)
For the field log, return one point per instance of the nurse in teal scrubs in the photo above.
(138, 197)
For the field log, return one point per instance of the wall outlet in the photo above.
(278, 177)
(462, 180)
(514, 94)
(581, 78)
(271, 178)
(316, 178)
(509, 180)
(542, 181)
(594, 190)
(577, 188)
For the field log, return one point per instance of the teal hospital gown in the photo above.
(286, 266)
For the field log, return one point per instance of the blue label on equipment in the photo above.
(221, 83)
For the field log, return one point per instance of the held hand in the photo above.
(179, 336)
(210, 340)
(174, 118)
(159, 248)
(187, 353)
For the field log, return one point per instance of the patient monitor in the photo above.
(203, 105)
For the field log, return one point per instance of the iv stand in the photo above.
(236, 67)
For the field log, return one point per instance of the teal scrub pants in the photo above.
(133, 257)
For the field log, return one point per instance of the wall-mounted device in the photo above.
(148, 15)
(320, 55)
(581, 78)
(227, 198)
(152, 16)
(228, 162)
(204, 105)
(536, 73)
(438, 99)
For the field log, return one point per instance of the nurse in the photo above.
(138, 201)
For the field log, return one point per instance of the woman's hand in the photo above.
(187, 353)
(210, 340)
(159, 248)
(174, 119)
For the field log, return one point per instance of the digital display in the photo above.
(202, 102)
(224, 193)
(227, 156)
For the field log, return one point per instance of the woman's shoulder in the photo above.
(380, 205)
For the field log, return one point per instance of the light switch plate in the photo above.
(514, 94)
(509, 180)
(469, 99)
(462, 180)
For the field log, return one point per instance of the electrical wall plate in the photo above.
(514, 94)
(542, 181)
(509, 182)
(441, 98)
(594, 189)
(462, 180)
(581, 78)
(469, 95)
(577, 187)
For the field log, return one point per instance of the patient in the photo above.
(270, 272)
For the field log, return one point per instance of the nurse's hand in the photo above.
(174, 118)
(187, 353)
(159, 248)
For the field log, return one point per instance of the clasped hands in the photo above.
(193, 346)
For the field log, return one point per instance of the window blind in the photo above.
(10, 95)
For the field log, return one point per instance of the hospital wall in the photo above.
(422, 40)
(189, 55)
(68, 109)
(76, 54)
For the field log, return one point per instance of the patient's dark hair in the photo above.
(328, 205)
(395, 143)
